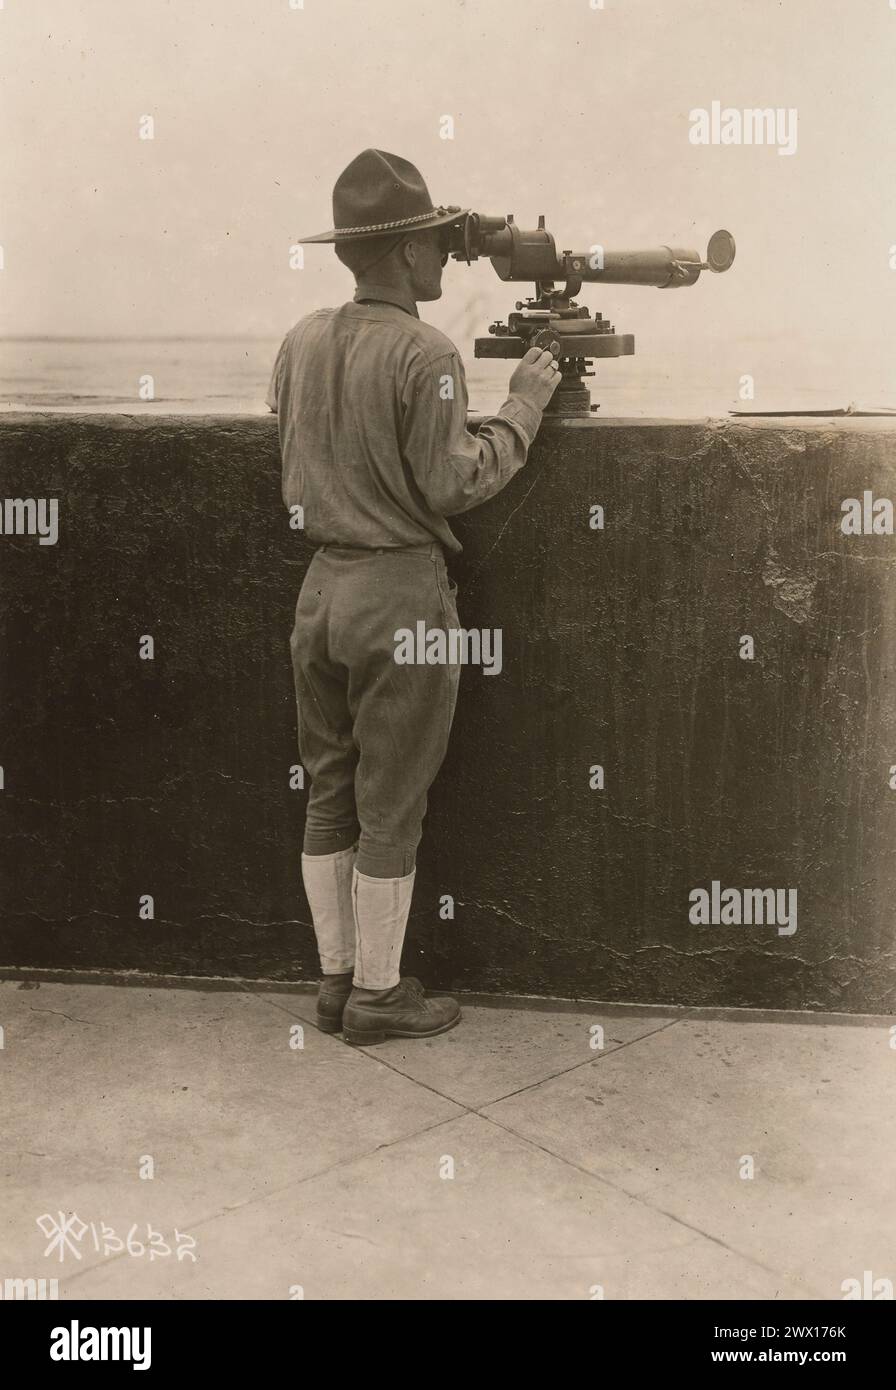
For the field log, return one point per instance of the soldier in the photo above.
(372, 405)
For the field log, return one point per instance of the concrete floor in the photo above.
(323, 1171)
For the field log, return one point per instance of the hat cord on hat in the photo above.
(387, 226)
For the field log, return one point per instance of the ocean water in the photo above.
(189, 375)
(230, 375)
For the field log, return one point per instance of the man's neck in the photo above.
(370, 289)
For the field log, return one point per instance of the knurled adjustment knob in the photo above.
(545, 339)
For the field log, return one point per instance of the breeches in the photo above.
(372, 732)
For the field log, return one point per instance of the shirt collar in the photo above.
(386, 294)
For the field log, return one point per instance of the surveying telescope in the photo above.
(551, 318)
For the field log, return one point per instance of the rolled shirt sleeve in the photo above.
(454, 468)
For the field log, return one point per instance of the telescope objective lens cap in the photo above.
(720, 251)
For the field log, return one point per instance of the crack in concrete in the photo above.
(89, 1021)
(497, 539)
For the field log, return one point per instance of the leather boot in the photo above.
(331, 1000)
(372, 1015)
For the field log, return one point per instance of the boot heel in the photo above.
(328, 1025)
(362, 1037)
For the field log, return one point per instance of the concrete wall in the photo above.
(170, 777)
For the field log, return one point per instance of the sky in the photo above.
(579, 113)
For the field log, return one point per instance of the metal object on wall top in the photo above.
(551, 315)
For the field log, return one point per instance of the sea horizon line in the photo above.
(137, 337)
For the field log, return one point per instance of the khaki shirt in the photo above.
(372, 412)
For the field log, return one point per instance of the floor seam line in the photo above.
(476, 1110)
(642, 1201)
(286, 1187)
(396, 1071)
(576, 1066)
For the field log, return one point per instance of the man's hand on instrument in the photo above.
(536, 377)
